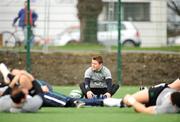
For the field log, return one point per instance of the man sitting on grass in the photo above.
(98, 80)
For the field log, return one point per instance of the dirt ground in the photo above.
(68, 68)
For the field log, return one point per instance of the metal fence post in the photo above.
(28, 53)
(119, 56)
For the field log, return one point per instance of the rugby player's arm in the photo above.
(139, 107)
(87, 84)
(109, 84)
(11, 86)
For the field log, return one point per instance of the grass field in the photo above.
(96, 48)
(88, 114)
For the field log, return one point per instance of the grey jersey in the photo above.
(98, 77)
(32, 104)
(164, 104)
(5, 103)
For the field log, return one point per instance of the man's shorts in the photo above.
(154, 93)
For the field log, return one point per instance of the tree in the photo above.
(173, 24)
(88, 12)
(173, 5)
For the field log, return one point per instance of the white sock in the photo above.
(112, 102)
(4, 70)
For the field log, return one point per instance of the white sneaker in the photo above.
(112, 102)
(4, 70)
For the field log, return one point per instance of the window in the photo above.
(136, 11)
(130, 11)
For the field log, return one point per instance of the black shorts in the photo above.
(154, 93)
(99, 91)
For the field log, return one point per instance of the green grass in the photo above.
(80, 47)
(167, 48)
(96, 47)
(88, 114)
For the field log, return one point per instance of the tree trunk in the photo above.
(88, 30)
(88, 12)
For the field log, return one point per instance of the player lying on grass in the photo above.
(22, 79)
(162, 98)
(20, 101)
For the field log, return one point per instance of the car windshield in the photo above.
(110, 27)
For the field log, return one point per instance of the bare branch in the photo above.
(173, 6)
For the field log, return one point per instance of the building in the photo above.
(149, 16)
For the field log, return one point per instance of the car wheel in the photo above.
(73, 41)
(129, 43)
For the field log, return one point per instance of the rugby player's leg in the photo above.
(175, 84)
(141, 96)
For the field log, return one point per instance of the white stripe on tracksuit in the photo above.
(54, 99)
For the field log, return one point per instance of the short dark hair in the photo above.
(99, 59)
(17, 95)
(175, 98)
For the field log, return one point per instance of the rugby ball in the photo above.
(75, 94)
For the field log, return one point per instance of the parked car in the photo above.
(174, 40)
(71, 34)
(107, 34)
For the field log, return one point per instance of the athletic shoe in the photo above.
(122, 105)
(4, 70)
(79, 104)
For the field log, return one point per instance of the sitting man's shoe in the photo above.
(79, 104)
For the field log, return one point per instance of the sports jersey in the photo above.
(98, 77)
(164, 104)
(32, 104)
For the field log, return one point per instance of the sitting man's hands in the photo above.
(89, 94)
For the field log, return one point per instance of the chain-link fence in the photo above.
(144, 22)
